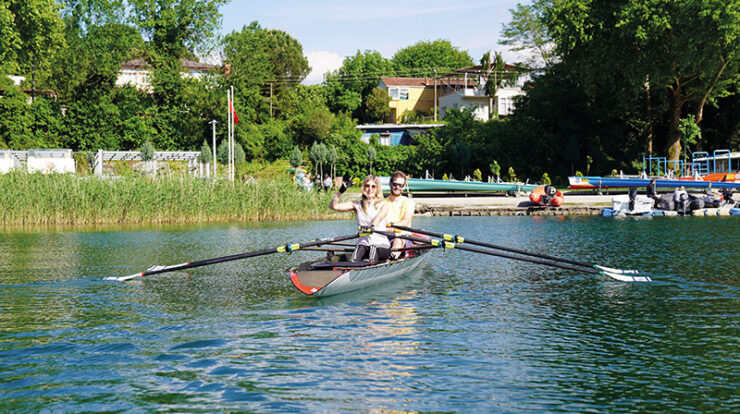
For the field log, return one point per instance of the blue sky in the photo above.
(331, 30)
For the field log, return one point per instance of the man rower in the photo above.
(400, 209)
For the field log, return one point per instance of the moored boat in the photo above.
(547, 196)
(638, 206)
(419, 185)
(326, 278)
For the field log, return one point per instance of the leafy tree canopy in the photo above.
(430, 59)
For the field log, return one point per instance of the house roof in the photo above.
(424, 82)
(186, 64)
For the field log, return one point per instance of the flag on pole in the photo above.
(236, 117)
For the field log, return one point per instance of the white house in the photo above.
(136, 72)
(474, 98)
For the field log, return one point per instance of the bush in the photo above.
(545, 180)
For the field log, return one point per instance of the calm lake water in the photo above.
(468, 333)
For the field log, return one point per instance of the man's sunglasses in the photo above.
(397, 185)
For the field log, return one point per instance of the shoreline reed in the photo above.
(65, 199)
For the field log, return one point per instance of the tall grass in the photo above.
(68, 199)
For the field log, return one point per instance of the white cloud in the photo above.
(321, 61)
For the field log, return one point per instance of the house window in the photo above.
(393, 92)
(403, 94)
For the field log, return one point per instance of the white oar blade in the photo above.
(123, 278)
(627, 278)
(617, 271)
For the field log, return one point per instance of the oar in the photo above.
(579, 268)
(630, 275)
(286, 248)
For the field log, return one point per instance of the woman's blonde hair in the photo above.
(378, 191)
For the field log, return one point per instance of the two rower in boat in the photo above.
(373, 211)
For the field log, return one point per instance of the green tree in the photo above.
(526, 32)
(478, 175)
(690, 134)
(371, 154)
(175, 28)
(687, 47)
(495, 169)
(92, 60)
(222, 153)
(512, 175)
(205, 156)
(36, 35)
(147, 151)
(349, 87)
(377, 105)
(314, 124)
(264, 65)
(430, 58)
(296, 157)
(10, 41)
(319, 155)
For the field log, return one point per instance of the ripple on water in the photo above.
(468, 333)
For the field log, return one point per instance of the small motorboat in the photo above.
(640, 205)
(547, 196)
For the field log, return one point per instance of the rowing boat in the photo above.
(326, 278)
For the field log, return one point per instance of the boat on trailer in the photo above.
(327, 278)
(719, 170)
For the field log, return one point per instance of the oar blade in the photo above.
(124, 278)
(617, 271)
(627, 277)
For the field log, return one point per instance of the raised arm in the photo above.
(381, 214)
(336, 205)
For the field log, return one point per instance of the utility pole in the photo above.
(435, 95)
(213, 123)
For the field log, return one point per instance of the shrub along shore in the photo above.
(36, 199)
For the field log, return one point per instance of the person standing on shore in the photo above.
(401, 208)
(652, 192)
(371, 212)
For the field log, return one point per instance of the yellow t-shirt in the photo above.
(397, 209)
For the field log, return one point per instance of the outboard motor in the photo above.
(683, 205)
(666, 202)
(550, 192)
(697, 203)
(727, 196)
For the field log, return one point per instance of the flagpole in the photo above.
(228, 138)
(233, 137)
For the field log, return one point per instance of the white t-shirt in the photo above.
(366, 219)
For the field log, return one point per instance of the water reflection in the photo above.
(465, 333)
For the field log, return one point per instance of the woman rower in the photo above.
(370, 212)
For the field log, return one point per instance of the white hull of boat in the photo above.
(621, 205)
(349, 280)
